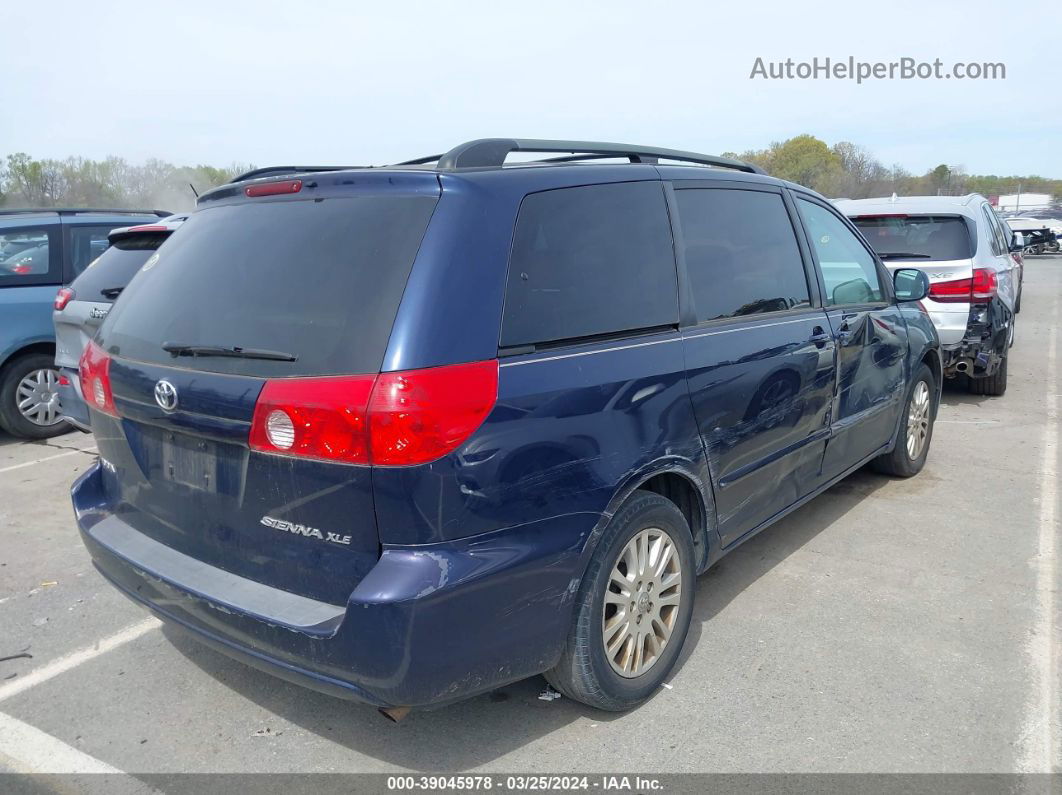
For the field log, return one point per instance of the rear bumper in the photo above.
(984, 344)
(75, 411)
(428, 625)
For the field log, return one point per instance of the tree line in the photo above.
(112, 182)
(842, 170)
(846, 170)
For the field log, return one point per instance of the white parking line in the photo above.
(89, 450)
(74, 659)
(1041, 732)
(26, 749)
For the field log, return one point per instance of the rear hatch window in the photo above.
(110, 272)
(928, 237)
(320, 280)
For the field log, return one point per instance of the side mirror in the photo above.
(1017, 241)
(911, 284)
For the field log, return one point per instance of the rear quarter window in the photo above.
(590, 261)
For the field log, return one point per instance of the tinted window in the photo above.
(588, 261)
(994, 231)
(931, 237)
(114, 268)
(28, 256)
(848, 269)
(319, 279)
(741, 253)
(87, 243)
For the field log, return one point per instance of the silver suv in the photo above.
(975, 282)
(81, 307)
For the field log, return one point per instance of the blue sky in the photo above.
(375, 82)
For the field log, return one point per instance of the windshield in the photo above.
(932, 237)
(320, 280)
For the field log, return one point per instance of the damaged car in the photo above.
(410, 433)
(975, 281)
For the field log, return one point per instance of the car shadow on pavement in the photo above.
(956, 392)
(738, 570)
(487, 727)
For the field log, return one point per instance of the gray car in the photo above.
(975, 283)
(81, 307)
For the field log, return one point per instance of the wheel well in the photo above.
(37, 347)
(933, 362)
(684, 494)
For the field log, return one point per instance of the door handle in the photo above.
(845, 331)
(819, 337)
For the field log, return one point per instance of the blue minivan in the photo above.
(40, 251)
(407, 434)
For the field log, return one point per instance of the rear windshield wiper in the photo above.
(902, 255)
(234, 352)
(111, 292)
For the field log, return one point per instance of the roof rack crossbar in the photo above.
(76, 210)
(488, 152)
(270, 171)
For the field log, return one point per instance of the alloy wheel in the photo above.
(641, 602)
(918, 421)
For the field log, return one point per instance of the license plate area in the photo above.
(190, 461)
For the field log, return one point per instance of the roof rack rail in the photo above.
(77, 210)
(487, 152)
(270, 171)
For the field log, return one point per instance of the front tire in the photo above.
(633, 609)
(908, 456)
(29, 400)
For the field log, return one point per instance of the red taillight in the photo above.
(421, 415)
(148, 228)
(95, 373)
(62, 298)
(981, 287)
(22, 269)
(394, 419)
(314, 417)
(274, 188)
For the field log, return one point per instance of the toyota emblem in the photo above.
(166, 395)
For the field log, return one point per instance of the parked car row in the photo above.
(406, 434)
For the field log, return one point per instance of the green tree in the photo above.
(803, 159)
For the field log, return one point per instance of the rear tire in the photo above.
(12, 380)
(994, 385)
(908, 456)
(652, 610)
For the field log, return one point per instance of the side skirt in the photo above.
(804, 500)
